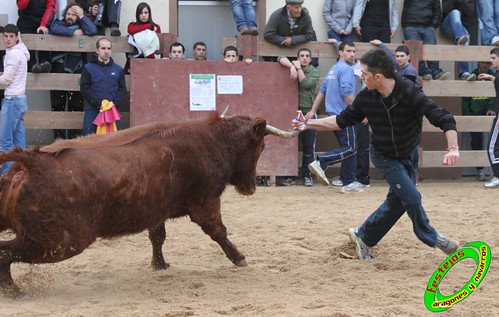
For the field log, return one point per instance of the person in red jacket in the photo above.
(143, 21)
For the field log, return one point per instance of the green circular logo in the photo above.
(478, 251)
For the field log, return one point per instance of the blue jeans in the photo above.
(428, 36)
(307, 138)
(453, 28)
(340, 38)
(403, 195)
(244, 13)
(344, 154)
(88, 122)
(362, 131)
(488, 13)
(12, 132)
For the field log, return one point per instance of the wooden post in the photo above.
(416, 51)
(165, 40)
(247, 45)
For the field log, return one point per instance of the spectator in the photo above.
(420, 19)
(459, 20)
(338, 16)
(494, 132)
(231, 55)
(479, 106)
(13, 80)
(289, 26)
(74, 23)
(375, 19)
(101, 79)
(2, 54)
(488, 13)
(244, 16)
(394, 148)
(402, 58)
(199, 51)
(337, 90)
(35, 17)
(177, 51)
(143, 33)
(308, 78)
(104, 13)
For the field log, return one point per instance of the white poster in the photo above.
(202, 92)
(230, 84)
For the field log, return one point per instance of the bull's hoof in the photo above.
(241, 263)
(160, 265)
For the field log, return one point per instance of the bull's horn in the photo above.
(224, 114)
(281, 133)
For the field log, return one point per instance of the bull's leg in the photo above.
(157, 236)
(208, 217)
(7, 286)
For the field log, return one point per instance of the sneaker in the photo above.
(308, 181)
(351, 188)
(316, 169)
(495, 41)
(46, 67)
(360, 185)
(443, 76)
(467, 76)
(36, 68)
(494, 182)
(115, 31)
(447, 245)
(480, 176)
(254, 31)
(462, 40)
(337, 182)
(288, 182)
(361, 248)
(427, 77)
(244, 31)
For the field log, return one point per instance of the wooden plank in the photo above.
(458, 88)
(62, 120)
(79, 43)
(466, 158)
(465, 124)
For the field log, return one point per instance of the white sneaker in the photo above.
(494, 183)
(337, 182)
(360, 185)
(495, 41)
(316, 169)
(351, 188)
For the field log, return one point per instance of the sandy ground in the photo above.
(295, 242)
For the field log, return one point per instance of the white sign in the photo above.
(230, 84)
(202, 92)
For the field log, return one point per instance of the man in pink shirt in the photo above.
(13, 80)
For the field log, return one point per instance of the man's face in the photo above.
(71, 18)
(402, 58)
(371, 80)
(231, 57)
(176, 52)
(104, 51)
(304, 58)
(294, 10)
(494, 60)
(200, 52)
(348, 54)
(10, 39)
(483, 67)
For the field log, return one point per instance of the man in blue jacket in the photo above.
(101, 79)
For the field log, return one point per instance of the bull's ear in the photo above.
(259, 125)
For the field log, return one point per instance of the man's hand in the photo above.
(451, 157)
(375, 42)
(94, 10)
(358, 31)
(288, 41)
(78, 11)
(42, 30)
(78, 32)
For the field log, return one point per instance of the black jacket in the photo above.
(421, 13)
(396, 123)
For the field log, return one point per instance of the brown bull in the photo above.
(59, 199)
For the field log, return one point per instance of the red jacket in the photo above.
(136, 28)
(35, 7)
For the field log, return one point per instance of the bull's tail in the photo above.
(17, 154)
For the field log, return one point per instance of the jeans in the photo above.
(403, 195)
(427, 35)
(244, 13)
(344, 154)
(88, 122)
(362, 153)
(493, 149)
(12, 132)
(453, 28)
(307, 138)
(340, 38)
(488, 13)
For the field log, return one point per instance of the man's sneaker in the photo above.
(361, 248)
(308, 181)
(351, 188)
(494, 183)
(442, 76)
(495, 41)
(316, 169)
(337, 182)
(427, 77)
(360, 185)
(115, 31)
(288, 182)
(462, 40)
(480, 176)
(447, 245)
(467, 76)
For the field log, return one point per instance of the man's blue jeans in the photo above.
(244, 13)
(403, 195)
(12, 131)
(488, 13)
(427, 35)
(453, 28)
(340, 38)
(346, 154)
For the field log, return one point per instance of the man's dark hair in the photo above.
(379, 62)
(69, 7)
(177, 44)
(403, 49)
(10, 28)
(494, 51)
(198, 44)
(303, 50)
(345, 43)
(230, 48)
